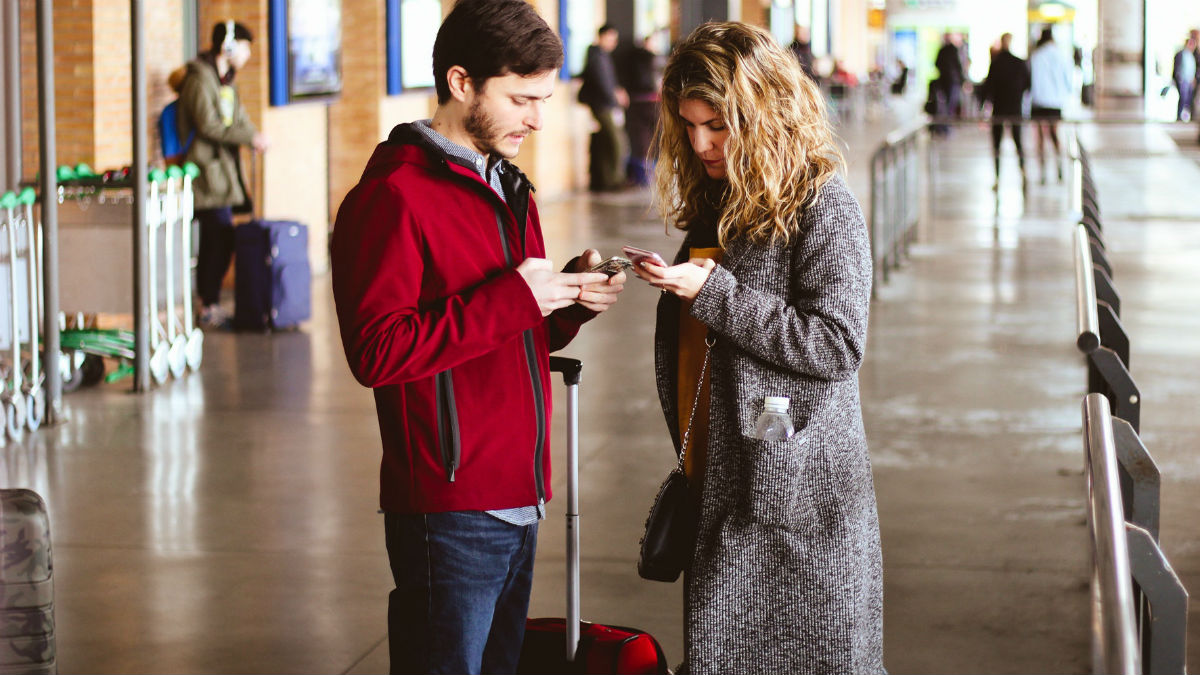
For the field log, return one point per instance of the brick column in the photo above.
(354, 120)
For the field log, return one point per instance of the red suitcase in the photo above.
(570, 645)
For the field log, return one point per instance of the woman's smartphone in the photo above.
(641, 255)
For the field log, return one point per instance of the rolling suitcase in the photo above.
(26, 585)
(273, 282)
(570, 645)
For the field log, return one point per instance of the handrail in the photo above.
(894, 211)
(1114, 624)
(1087, 319)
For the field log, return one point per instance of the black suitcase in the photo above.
(569, 645)
(26, 585)
(273, 282)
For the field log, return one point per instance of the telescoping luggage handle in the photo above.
(571, 370)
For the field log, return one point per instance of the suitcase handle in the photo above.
(570, 368)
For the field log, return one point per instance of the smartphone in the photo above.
(641, 255)
(612, 267)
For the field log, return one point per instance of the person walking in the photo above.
(212, 115)
(1049, 93)
(768, 296)
(448, 310)
(1183, 73)
(948, 91)
(601, 93)
(1005, 87)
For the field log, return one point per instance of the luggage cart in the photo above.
(12, 398)
(192, 332)
(176, 344)
(35, 395)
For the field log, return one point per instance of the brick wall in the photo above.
(92, 78)
(354, 119)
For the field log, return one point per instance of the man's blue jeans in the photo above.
(462, 591)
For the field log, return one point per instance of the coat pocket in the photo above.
(778, 494)
(213, 180)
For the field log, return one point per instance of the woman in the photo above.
(1049, 92)
(775, 272)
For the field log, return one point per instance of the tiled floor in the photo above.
(227, 522)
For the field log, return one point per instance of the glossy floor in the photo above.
(227, 522)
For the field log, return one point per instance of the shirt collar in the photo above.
(480, 163)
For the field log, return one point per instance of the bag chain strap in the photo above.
(708, 343)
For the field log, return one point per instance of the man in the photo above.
(601, 93)
(1005, 86)
(209, 108)
(448, 310)
(949, 81)
(1184, 74)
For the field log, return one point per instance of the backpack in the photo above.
(173, 149)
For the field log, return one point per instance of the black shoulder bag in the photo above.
(671, 526)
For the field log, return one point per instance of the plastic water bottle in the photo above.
(774, 424)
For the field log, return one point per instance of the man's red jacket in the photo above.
(435, 318)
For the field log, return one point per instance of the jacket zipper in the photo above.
(539, 400)
(449, 441)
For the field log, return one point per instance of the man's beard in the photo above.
(482, 128)
(485, 131)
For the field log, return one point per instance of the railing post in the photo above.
(1164, 636)
(1114, 626)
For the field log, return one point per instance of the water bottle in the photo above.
(774, 424)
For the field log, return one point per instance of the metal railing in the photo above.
(1139, 607)
(895, 197)
(1114, 623)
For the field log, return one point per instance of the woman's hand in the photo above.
(684, 280)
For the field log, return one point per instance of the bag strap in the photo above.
(708, 344)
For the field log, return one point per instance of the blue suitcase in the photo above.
(273, 282)
(26, 585)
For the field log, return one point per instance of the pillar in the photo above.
(1120, 61)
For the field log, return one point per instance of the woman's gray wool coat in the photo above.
(787, 574)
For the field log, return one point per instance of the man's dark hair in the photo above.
(605, 28)
(491, 38)
(240, 32)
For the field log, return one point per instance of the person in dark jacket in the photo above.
(1005, 86)
(211, 112)
(601, 93)
(448, 310)
(641, 83)
(948, 91)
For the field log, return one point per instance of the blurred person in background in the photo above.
(1005, 87)
(604, 96)
(641, 83)
(212, 114)
(1049, 93)
(1183, 73)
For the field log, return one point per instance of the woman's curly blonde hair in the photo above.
(780, 150)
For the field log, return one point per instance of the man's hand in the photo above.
(554, 290)
(598, 297)
(260, 142)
